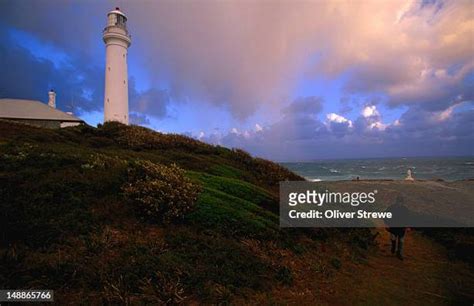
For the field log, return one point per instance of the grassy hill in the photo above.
(67, 224)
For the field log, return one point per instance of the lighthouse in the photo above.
(117, 40)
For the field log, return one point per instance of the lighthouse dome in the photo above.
(116, 18)
(118, 12)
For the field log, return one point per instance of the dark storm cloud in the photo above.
(304, 106)
(435, 90)
(234, 54)
(418, 132)
(339, 129)
(79, 84)
(70, 25)
(27, 77)
(152, 102)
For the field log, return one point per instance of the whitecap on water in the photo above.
(312, 179)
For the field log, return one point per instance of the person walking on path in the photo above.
(397, 239)
(397, 232)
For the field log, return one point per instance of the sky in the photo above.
(284, 80)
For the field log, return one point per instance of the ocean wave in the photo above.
(447, 169)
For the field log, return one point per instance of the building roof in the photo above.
(33, 110)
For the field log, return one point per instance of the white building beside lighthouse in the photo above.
(117, 40)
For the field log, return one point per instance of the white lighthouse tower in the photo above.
(117, 40)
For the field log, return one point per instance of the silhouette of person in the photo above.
(400, 215)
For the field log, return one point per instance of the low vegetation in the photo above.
(161, 193)
(122, 214)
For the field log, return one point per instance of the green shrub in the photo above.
(242, 156)
(273, 173)
(162, 193)
(336, 263)
(266, 172)
(284, 275)
(140, 138)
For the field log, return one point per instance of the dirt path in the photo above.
(425, 277)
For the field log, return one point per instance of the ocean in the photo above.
(446, 168)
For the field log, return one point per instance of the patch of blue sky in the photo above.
(93, 118)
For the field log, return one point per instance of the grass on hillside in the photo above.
(65, 224)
